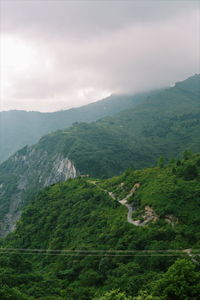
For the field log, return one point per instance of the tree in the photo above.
(161, 162)
(187, 154)
(114, 295)
(190, 172)
(180, 282)
(7, 293)
(172, 161)
(144, 295)
(178, 163)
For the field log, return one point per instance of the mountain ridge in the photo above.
(21, 128)
(165, 124)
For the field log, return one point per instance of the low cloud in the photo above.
(74, 63)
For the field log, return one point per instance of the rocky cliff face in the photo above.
(23, 175)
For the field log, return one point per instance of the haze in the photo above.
(61, 54)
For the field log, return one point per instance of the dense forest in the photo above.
(74, 241)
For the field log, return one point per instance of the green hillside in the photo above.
(21, 128)
(165, 124)
(167, 114)
(76, 242)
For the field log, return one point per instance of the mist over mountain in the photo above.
(20, 128)
(165, 124)
(99, 150)
(59, 54)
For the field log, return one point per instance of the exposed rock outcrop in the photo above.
(28, 171)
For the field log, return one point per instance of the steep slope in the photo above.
(166, 124)
(165, 194)
(48, 162)
(21, 128)
(80, 244)
(23, 176)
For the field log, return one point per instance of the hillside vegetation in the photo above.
(21, 128)
(165, 124)
(76, 242)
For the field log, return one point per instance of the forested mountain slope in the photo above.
(166, 124)
(21, 128)
(74, 242)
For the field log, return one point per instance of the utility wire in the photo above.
(79, 252)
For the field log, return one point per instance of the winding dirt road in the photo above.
(124, 202)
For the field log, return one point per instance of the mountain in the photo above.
(78, 240)
(165, 124)
(21, 128)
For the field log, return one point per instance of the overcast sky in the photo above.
(60, 54)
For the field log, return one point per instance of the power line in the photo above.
(79, 252)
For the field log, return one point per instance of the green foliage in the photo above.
(144, 295)
(7, 293)
(80, 215)
(114, 295)
(83, 217)
(19, 128)
(190, 172)
(161, 161)
(159, 124)
(187, 154)
(136, 138)
(180, 282)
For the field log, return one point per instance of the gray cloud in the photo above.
(86, 17)
(86, 50)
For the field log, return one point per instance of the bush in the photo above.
(190, 172)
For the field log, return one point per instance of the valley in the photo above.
(99, 150)
(22, 128)
(133, 138)
(107, 210)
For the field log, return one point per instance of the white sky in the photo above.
(60, 54)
